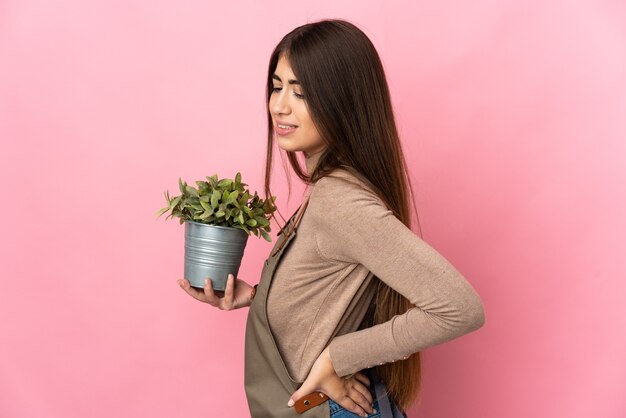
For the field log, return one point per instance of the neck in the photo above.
(311, 161)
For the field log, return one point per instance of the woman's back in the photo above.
(323, 285)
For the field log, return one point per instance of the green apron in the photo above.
(267, 382)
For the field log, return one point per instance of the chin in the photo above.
(287, 145)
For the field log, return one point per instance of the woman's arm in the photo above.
(354, 226)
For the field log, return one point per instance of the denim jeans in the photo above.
(338, 411)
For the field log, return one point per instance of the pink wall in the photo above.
(513, 116)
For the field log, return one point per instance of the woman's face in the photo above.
(288, 107)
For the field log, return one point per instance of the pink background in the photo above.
(513, 117)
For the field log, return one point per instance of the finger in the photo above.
(363, 397)
(191, 291)
(364, 390)
(302, 391)
(361, 377)
(228, 293)
(209, 296)
(351, 406)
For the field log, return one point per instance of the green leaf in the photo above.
(215, 198)
(251, 222)
(162, 211)
(243, 227)
(261, 221)
(205, 215)
(220, 214)
(192, 191)
(265, 235)
(175, 202)
(232, 197)
(203, 186)
(224, 183)
(212, 180)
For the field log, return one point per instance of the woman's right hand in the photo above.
(236, 295)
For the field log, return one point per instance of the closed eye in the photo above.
(299, 96)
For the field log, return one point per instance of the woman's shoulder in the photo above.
(343, 188)
(344, 178)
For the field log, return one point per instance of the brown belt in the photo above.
(309, 401)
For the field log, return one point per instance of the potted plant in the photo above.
(219, 216)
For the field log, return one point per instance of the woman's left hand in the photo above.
(351, 392)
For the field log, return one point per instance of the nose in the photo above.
(280, 103)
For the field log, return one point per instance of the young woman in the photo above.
(355, 294)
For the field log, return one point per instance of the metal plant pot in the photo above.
(212, 251)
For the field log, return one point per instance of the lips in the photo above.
(285, 131)
(288, 125)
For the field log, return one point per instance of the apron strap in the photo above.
(381, 395)
(295, 224)
(304, 204)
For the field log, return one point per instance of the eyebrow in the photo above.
(292, 81)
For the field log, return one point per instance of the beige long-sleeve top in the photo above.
(323, 284)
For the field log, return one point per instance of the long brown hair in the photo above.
(348, 98)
